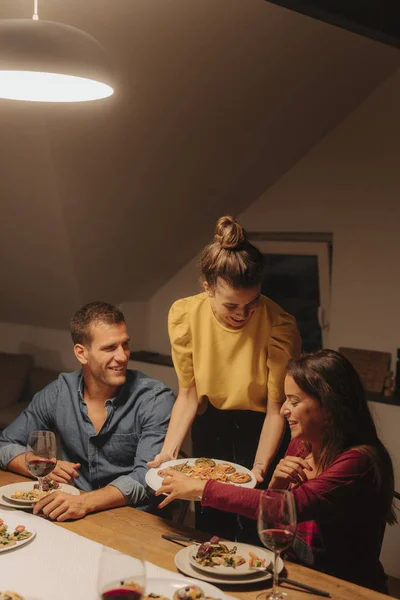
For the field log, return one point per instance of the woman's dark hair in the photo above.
(332, 380)
(231, 257)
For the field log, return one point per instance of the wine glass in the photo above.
(276, 527)
(121, 576)
(40, 457)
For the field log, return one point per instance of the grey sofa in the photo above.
(20, 379)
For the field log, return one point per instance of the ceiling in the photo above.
(215, 100)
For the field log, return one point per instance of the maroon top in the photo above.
(340, 516)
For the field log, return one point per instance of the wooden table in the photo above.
(128, 524)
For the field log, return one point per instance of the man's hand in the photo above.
(290, 469)
(65, 472)
(159, 459)
(179, 485)
(59, 506)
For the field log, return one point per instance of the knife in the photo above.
(304, 586)
(179, 538)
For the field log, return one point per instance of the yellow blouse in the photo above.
(237, 369)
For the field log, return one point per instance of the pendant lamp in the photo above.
(45, 61)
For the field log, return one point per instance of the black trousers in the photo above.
(231, 435)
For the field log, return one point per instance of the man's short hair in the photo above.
(90, 314)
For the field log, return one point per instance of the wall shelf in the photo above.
(376, 397)
(154, 358)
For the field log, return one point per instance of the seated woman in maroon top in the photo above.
(340, 473)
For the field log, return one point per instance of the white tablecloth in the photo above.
(57, 564)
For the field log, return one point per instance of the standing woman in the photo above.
(230, 347)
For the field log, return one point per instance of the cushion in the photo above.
(38, 378)
(14, 369)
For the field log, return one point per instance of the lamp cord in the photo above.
(35, 15)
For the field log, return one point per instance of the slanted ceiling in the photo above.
(215, 99)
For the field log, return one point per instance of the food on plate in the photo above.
(218, 476)
(225, 468)
(33, 495)
(239, 478)
(255, 562)
(189, 592)
(48, 485)
(205, 461)
(10, 539)
(207, 468)
(182, 468)
(10, 596)
(214, 553)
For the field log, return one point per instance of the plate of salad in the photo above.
(229, 558)
(13, 534)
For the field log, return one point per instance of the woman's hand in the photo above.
(179, 485)
(259, 471)
(159, 459)
(290, 469)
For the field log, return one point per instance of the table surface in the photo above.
(127, 524)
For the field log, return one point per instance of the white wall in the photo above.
(136, 321)
(50, 348)
(185, 283)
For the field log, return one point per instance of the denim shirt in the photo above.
(132, 434)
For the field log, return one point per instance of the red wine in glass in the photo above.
(121, 576)
(40, 458)
(276, 539)
(121, 594)
(40, 467)
(276, 527)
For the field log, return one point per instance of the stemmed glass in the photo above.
(121, 576)
(276, 527)
(41, 455)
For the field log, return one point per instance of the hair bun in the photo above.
(229, 234)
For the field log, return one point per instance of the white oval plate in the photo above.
(26, 486)
(241, 570)
(6, 504)
(13, 521)
(182, 562)
(167, 587)
(154, 480)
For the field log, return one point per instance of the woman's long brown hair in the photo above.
(332, 380)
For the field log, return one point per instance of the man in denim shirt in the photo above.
(111, 421)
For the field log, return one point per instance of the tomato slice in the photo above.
(20, 528)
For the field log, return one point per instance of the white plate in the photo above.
(8, 490)
(13, 521)
(6, 503)
(241, 570)
(167, 587)
(182, 562)
(154, 480)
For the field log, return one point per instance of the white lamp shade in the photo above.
(45, 61)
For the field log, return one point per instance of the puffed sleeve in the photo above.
(181, 342)
(284, 344)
